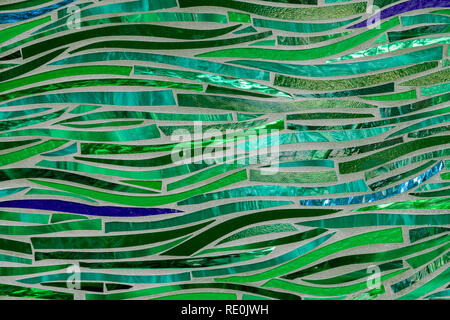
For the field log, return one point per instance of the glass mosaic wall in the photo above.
(222, 149)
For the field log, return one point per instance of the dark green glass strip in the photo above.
(29, 66)
(26, 173)
(105, 255)
(247, 105)
(202, 214)
(268, 243)
(215, 232)
(145, 201)
(418, 32)
(15, 246)
(180, 263)
(346, 69)
(304, 54)
(378, 158)
(175, 45)
(342, 84)
(188, 286)
(144, 30)
(19, 155)
(129, 240)
(101, 83)
(367, 258)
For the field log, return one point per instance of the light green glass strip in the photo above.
(433, 186)
(431, 285)
(90, 224)
(259, 230)
(169, 130)
(327, 115)
(9, 290)
(279, 191)
(83, 108)
(239, 17)
(407, 95)
(430, 204)
(346, 69)
(393, 235)
(121, 278)
(392, 47)
(139, 174)
(25, 217)
(141, 133)
(57, 193)
(417, 261)
(210, 78)
(436, 89)
(187, 286)
(202, 214)
(99, 83)
(381, 219)
(355, 275)
(264, 244)
(421, 124)
(22, 4)
(199, 296)
(29, 152)
(14, 31)
(147, 201)
(380, 157)
(184, 62)
(65, 72)
(105, 255)
(390, 180)
(127, 98)
(429, 79)
(441, 295)
(305, 54)
(401, 163)
(270, 43)
(300, 41)
(294, 177)
(318, 291)
(424, 18)
(125, 114)
(105, 124)
(157, 185)
(246, 105)
(59, 217)
(15, 124)
(14, 259)
(203, 175)
(414, 106)
(343, 84)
